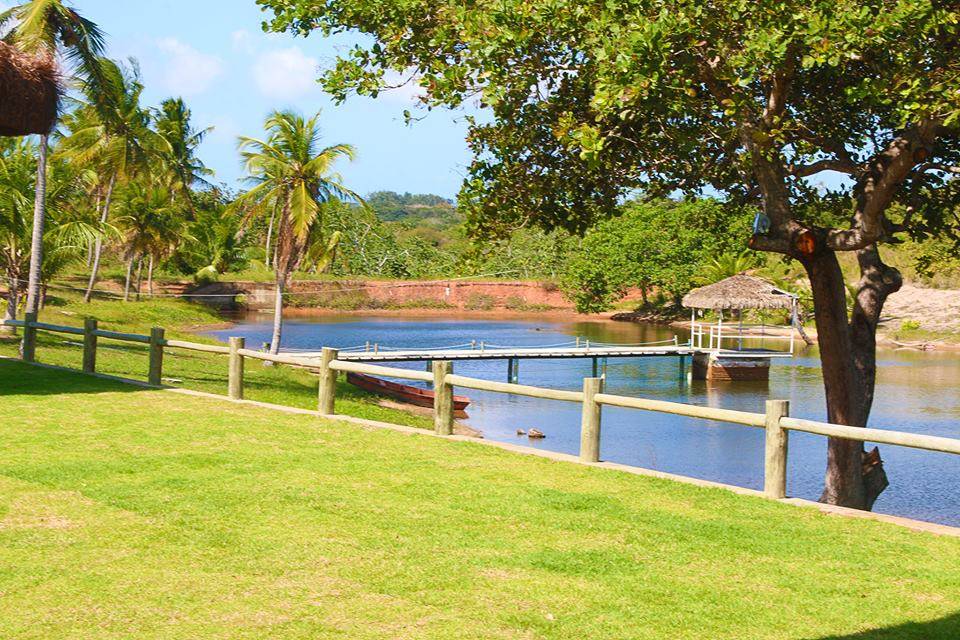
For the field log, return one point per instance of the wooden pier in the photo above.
(599, 354)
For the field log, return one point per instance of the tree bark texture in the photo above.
(126, 284)
(98, 245)
(39, 218)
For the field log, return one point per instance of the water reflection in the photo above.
(916, 391)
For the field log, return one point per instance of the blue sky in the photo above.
(215, 55)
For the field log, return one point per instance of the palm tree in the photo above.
(68, 230)
(111, 132)
(152, 225)
(48, 28)
(729, 264)
(172, 122)
(293, 176)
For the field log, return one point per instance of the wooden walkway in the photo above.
(527, 353)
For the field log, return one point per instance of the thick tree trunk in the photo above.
(39, 217)
(98, 245)
(277, 316)
(848, 361)
(126, 284)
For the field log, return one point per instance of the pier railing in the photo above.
(775, 420)
(713, 336)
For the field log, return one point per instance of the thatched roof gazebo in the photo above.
(739, 292)
(29, 92)
(736, 293)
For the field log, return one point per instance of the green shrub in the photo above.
(909, 325)
(516, 303)
(480, 302)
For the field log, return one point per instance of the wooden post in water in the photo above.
(155, 375)
(513, 370)
(90, 345)
(235, 371)
(28, 347)
(775, 458)
(590, 421)
(328, 382)
(442, 398)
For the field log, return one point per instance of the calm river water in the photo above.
(916, 391)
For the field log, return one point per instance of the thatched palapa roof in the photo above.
(29, 92)
(739, 292)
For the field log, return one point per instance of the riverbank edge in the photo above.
(925, 341)
(908, 523)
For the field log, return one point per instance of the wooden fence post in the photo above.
(328, 382)
(90, 345)
(775, 458)
(235, 371)
(590, 421)
(442, 398)
(155, 376)
(28, 347)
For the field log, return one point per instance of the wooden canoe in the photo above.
(402, 392)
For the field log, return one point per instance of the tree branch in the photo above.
(829, 164)
(936, 166)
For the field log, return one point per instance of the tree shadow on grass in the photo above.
(947, 628)
(17, 378)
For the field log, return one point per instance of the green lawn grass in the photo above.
(127, 513)
(182, 368)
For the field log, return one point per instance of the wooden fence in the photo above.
(775, 421)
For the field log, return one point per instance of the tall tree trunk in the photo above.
(150, 277)
(98, 245)
(126, 285)
(139, 276)
(43, 295)
(277, 315)
(39, 217)
(13, 293)
(848, 361)
(96, 207)
(266, 250)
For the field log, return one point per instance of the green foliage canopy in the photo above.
(748, 97)
(654, 244)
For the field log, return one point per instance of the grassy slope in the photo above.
(194, 370)
(127, 513)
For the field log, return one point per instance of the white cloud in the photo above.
(285, 73)
(188, 72)
(242, 41)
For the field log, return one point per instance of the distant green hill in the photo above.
(417, 209)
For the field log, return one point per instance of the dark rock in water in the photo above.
(536, 434)
(521, 432)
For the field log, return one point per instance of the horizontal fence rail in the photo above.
(775, 420)
(514, 389)
(680, 409)
(878, 436)
(377, 370)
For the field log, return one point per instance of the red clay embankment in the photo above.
(477, 295)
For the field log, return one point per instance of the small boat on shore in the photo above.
(402, 392)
